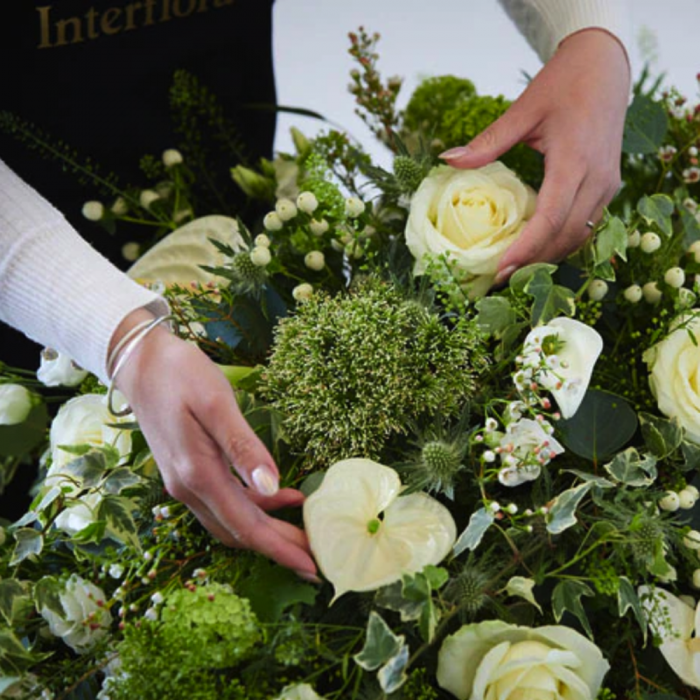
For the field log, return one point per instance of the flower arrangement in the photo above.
(501, 483)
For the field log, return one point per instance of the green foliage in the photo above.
(645, 126)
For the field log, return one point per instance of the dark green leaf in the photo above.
(691, 228)
(392, 598)
(567, 598)
(663, 437)
(627, 598)
(495, 314)
(520, 278)
(645, 126)
(29, 542)
(549, 300)
(12, 597)
(657, 209)
(381, 644)
(611, 240)
(19, 440)
(691, 454)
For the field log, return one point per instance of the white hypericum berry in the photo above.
(148, 197)
(260, 256)
(687, 499)
(651, 292)
(302, 292)
(696, 578)
(694, 250)
(116, 570)
(674, 277)
(692, 151)
(650, 242)
(670, 502)
(307, 202)
(318, 228)
(262, 240)
(633, 239)
(511, 508)
(93, 210)
(172, 157)
(633, 293)
(692, 490)
(692, 540)
(315, 260)
(354, 206)
(272, 221)
(494, 506)
(157, 598)
(686, 298)
(597, 290)
(286, 209)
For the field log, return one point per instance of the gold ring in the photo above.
(590, 224)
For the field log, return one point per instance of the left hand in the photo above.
(573, 112)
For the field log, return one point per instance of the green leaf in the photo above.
(549, 300)
(47, 499)
(603, 424)
(520, 278)
(562, 514)
(381, 644)
(646, 125)
(7, 682)
(691, 454)
(47, 595)
(392, 675)
(19, 440)
(566, 597)
(663, 437)
(271, 589)
(13, 595)
(87, 470)
(115, 511)
(627, 598)
(605, 271)
(632, 470)
(29, 541)
(495, 314)
(480, 521)
(436, 576)
(598, 481)
(521, 587)
(391, 597)
(691, 228)
(120, 479)
(611, 240)
(657, 209)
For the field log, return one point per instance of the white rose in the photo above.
(674, 368)
(15, 404)
(57, 369)
(79, 515)
(493, 659)
(84, 420)
(84, 621)
(472, 216)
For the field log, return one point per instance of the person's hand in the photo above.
(573, 112)
(189, 415)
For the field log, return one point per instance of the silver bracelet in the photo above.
(136, 335)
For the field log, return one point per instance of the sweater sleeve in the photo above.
(546, 23)
(56, 288)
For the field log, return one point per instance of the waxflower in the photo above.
(364, 534)
(57, 369)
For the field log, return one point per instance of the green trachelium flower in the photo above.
(349, 373)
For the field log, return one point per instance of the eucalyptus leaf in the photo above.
(562, 514)
(566, 597)
(603, 424)
(657, 209)
(29, 542)
(522, 587)
(631, 469)
(627, 598)
(480, 521)
(646, 125)
(381, 644)
(392, 675)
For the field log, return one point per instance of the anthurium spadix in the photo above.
(562, 355)
(364, 534)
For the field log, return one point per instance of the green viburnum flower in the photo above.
(350, 372)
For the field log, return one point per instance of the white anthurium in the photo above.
(364, 534)
(581, 346)
(178, 258)
(673, 621)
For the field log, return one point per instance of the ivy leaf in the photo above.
(627, 598)
(657, 209)
(87, 469)
(391, 597)
(419, 589)
(47, 499)
(392, 675)
(691, 454)
(480, 521)
(47, 595)
(115, 511)
(632, 470)
(521, 587)
(271, 589)
(691, 228)
(381, 644)
(13, 597)
(29, 541)
(549, 300)
(520, 278)
(120, 479)
(611, 240)
(663, 437)
(566, 597)
(562, 514)
(495, 314)
(646, 125)
(598, 481)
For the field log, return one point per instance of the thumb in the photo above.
(492, 142)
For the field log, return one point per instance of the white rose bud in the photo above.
(147, 197)
(694, 250)
(15, 404)
(674, 277)
(633, 293)
(318, 228)
(633, 239)
(302, 292)
(686, 499)
(651, 292)
(260, 256)
(354, 206)
(272, 222)
(286, 209)
(696, 578)
(262, 240)
(670, 502)
(93, 210)
(650, 242)
(307, 202)
(597, 290)
(172, 157)
(315, 260)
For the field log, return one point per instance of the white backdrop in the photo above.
(470, 38)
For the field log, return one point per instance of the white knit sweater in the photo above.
(61, 292)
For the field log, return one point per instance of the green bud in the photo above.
(252, 183)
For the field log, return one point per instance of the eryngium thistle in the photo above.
(246, 277)
(469, 590)
(409, 174)
(350, 372)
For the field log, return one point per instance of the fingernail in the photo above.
(504, 274)
(265, 482)
(308, 576)
(455, 152)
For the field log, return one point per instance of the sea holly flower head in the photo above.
(364, 534)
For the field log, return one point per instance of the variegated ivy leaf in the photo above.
(392, 675)
(631, 469)
(562, 514)
(470, 539)
(627, 598)
(381, 644)
(29, 541)
(521, 587)
(566, 597)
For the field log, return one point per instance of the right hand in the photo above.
(189, 415)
